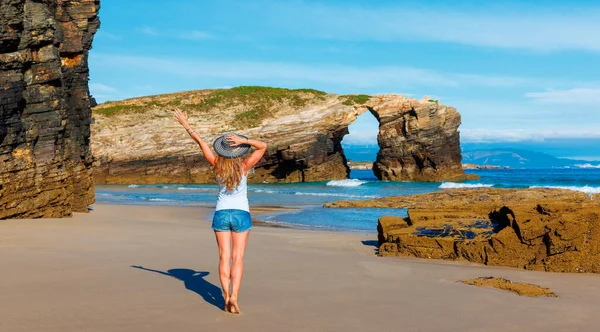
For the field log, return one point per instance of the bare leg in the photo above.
(224, 242)
(237, 270)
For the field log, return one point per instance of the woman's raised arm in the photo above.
(182, 118)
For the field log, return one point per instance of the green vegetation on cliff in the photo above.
(250, 118)
(259, 96)
(257, 99)
(120, 109)
(355, 99)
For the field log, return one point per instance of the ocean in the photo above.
(309, 197)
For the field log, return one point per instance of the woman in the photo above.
(232, 221)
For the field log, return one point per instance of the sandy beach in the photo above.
(134, 268)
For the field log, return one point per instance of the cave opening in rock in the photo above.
(361, 147)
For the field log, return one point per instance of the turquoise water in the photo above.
(363, 185)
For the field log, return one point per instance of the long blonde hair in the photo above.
(229, 171)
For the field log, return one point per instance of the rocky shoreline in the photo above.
(536, 229)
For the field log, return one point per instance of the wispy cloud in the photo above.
(361, 77)
(189, 35)
(195, 35)
(369, 136)
(547, 28)
(571, 96)
(148, 30)
(365, 136)
(99, 87)
(491, 135)
(394, 77)
(107, 35)
(143, 87)
(514, 119)
(102, 92)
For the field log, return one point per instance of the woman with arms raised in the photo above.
(232, 221)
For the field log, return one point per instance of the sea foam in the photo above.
(196, 189)
(588, 165)
(334, 195)
(454, 185)
(265, 191)
(346, 183)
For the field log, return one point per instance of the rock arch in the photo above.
(418, 140)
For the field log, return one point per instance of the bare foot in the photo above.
(226, 308)
(233, 305)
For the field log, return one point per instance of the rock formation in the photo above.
(519, 288)
(537, 229)
(45, 160)
(137, 141)
(418, 140)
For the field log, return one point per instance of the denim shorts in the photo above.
(232, 220)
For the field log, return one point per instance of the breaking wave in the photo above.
(454, 185)
(196, 189)
(335, 195)
(346, 183)
(588, 165)
(265, 191)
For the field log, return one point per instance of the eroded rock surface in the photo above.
(536, 229)
(519, 288)
(45, 160)
(418, 140)
(137, 141)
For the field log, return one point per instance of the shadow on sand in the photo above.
(195, 282)
(372, 243)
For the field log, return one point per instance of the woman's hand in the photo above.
(235, 139)
(181, 117)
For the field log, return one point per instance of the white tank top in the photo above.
(235, 199)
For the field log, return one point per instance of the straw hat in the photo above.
(224, 148)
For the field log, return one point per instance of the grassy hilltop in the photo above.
(251, 103)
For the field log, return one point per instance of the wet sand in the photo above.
(134, 268)
(262, 209)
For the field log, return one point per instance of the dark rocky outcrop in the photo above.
(137, 141)
(536, 229)
(418, 140)
(45, 160)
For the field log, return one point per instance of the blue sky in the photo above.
(516, 71)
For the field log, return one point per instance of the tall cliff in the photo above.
(45, 157)
(137, 140)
